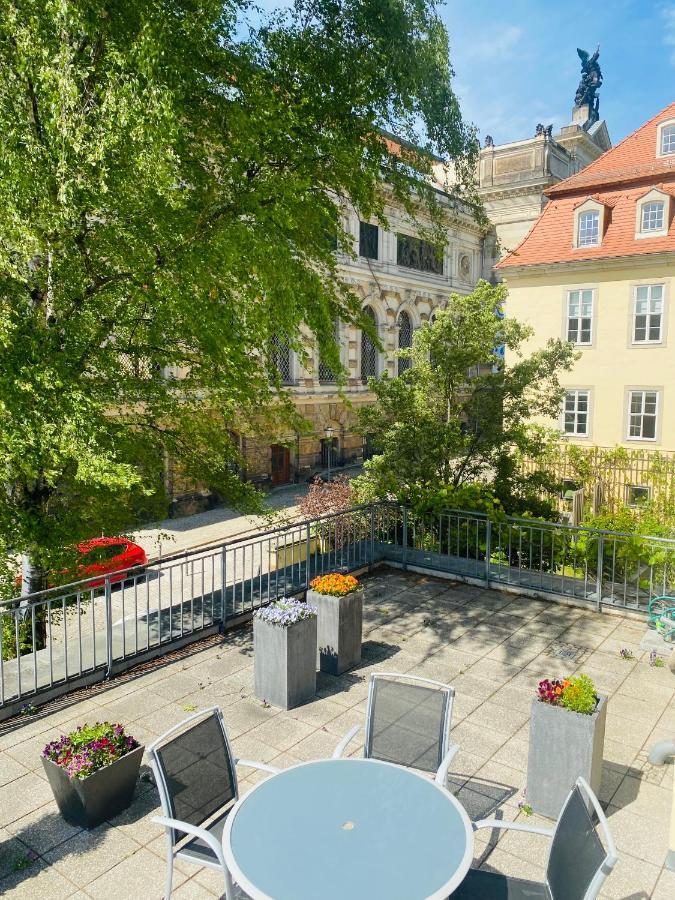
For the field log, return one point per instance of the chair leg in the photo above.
(169, 868)
(229, 884)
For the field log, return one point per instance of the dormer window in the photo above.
(668, 140)
(589, 229)
(590, 223)
(665, 138)
(652, 214)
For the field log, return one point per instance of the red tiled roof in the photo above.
(618, 178)
(633, 158)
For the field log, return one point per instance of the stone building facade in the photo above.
(513, 178)
(401, 281)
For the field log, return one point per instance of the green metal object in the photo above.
(661, 616)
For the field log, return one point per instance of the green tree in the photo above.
(169, 173)
(458, 415)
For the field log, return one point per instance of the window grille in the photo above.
(405, 339)
(642, 415)
(580, 317)
(589, 229)
(368, 351)
(575, 413)
(668, 139)
(280, 358)
(326, 374)
(652, 216)
(648, 317)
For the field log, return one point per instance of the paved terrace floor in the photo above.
(493, 647)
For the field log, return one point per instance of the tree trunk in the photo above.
(34, 579)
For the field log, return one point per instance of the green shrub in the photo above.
(579, 694)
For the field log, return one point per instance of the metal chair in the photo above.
(578, 863)
(408, 723)
(197, 782)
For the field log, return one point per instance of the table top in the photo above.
(348, 828)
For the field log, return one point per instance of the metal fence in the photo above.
(83, 632)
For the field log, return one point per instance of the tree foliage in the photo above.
(169, 174)
(458, 415)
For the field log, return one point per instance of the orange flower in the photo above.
(335, 584)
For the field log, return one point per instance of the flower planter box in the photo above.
(89, 801)
(284, 663)
(563, 746)
(340, 630)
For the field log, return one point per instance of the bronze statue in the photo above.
(591, 79)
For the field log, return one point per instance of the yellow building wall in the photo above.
(612, 365)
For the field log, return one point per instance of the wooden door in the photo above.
(281, 465)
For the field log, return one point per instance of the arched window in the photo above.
(280, 359)
(326, 374)
(405, 339)
(368, 350)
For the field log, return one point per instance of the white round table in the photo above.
(348, 829)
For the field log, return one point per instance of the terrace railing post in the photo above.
(223, 582)
(488, 550)
(308, 548)
(600, 563)
(108, 627)
(405, 537)
(371, 562)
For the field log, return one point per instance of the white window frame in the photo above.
(652, 197)
(580, 292)
(576, 412)
(589, 206)
(648, 315)
(629, 488)
(593, 237)
(642, 414)
(665, 128)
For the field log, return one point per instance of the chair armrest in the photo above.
(342, 746)
(252, 764)
(442, 772)
(514, 826)
(209, 839)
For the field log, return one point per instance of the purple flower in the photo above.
(286, 612)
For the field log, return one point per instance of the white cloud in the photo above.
(500, 43)
(668, 16)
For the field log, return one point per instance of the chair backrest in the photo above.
(579, 863)
(408, 720)
(194, 769)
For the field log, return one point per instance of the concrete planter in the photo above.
(340, 629)
(89, 801)
(563, 745)
(284, 663)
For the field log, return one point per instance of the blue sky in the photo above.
(516, 64)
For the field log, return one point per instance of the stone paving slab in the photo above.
(491, 646)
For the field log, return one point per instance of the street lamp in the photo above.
(328, 431)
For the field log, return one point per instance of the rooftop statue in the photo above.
(591, 79)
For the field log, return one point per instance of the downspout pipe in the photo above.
(658, 756)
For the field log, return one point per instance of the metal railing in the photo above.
(56, 639)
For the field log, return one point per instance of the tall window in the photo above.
(405, 338)
(575, 413)
(589, 228)
(368, 351)
(326, 374)
(280, 359)
(643, 409)
(652, 216)
(648, 318)
(368, 240)
(580, 317)
(415, 253)
(668, 139)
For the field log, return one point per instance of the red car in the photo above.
(101, 556)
